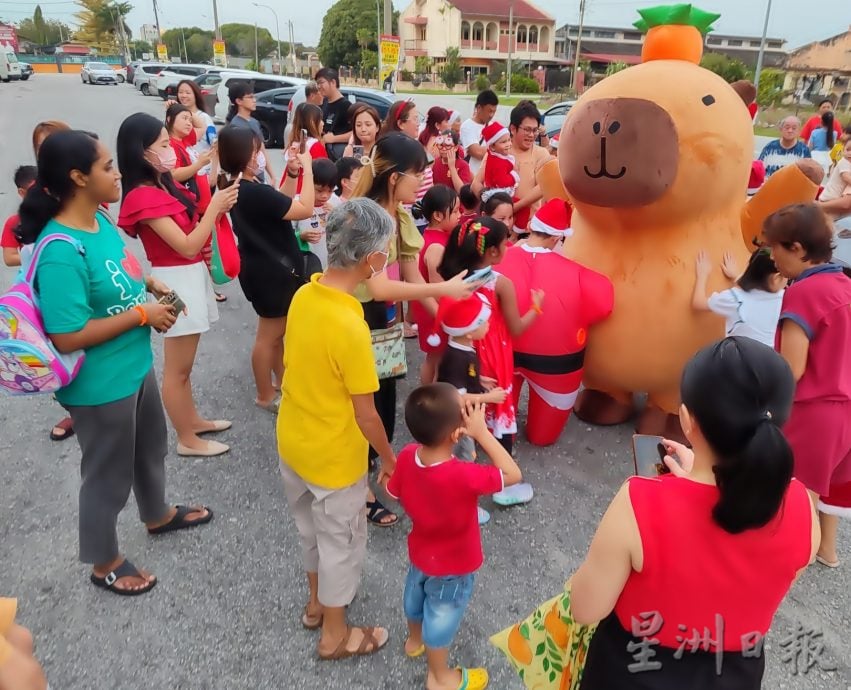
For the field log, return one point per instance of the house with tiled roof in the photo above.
(481, 29)
(822, 69)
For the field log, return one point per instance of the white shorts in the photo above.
(193, 285)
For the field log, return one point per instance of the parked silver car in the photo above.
(143, 74)
(98, 73)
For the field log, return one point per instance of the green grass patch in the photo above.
(766, 131)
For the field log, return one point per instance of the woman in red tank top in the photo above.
(687, 570)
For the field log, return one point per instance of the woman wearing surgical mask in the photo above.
(162, 213)
(392, 178)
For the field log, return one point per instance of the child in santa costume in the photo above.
(500, 174)
(550, 354)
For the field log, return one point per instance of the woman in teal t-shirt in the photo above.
(94, 298)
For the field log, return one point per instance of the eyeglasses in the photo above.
(529, 130)
(419, 176)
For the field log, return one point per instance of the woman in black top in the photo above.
(271, 261)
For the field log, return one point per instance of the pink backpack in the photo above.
(29, 363)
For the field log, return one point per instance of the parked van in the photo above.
(10, 68)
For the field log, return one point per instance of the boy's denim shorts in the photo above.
(438, 603)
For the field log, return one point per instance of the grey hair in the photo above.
(793, 118)
(311, 88)
(356, 229)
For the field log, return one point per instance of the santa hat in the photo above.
(554, 139)
(454, 116)
(459, 317)
(757, 178)
(838, 501)
(493, 132)
(553, 218)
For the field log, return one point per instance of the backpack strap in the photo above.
(39, 248)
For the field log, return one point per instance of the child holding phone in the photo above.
(311, 232)
(474, 245)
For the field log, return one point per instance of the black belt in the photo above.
(550, 364)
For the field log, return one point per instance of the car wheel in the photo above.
(25, 78)
(120, 78)
(146, 90)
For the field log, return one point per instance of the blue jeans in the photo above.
(438, 603)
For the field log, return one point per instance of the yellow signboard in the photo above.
(389, 62)
(219, 56)
(162, 52)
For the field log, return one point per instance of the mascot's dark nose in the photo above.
(620, 152)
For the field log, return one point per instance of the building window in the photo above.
(465, 31)
(533, 35)
(604, 34)
(522, 36)
(632, 36)
(714, 41)
(734, 42)
(756, 44)
(586, 33)
(478, 32)
(776, 45)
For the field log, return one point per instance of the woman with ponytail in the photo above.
(163, 214)
(714, 544)
(93, 297)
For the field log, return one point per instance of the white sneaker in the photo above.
(514, 495)
(484, 516)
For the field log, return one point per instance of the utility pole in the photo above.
(256, 56)
(762, 47)
(216, 21)
(388, 17)
(576, 66)
(292, 48)
(510, 49)
(378, 36)
(183, 36)
(157, 22)
(278, 33)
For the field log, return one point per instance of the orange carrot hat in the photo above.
(674, 32)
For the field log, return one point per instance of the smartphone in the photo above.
(481, 274)
(173, 300)
(649, 455)
(357, 151)
(302, 147)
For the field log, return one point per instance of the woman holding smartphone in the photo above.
(366, 124)
(272, 266)
(163, 214)
(304, 138)
(93, 297)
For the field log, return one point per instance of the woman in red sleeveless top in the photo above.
(687, 570)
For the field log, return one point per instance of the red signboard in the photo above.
(8, 36)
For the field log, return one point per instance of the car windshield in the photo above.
(11, 58)
(99, 65)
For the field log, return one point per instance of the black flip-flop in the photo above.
(66, 427)
(179, 520)
(375, 512)
(220, 297)
(126, 569)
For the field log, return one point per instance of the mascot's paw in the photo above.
(597, 407)
(654, 421)
(812, 169)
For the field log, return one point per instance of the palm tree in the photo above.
(101, 24)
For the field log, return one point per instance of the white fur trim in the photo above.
(484, 315)
(433, 340)
(537, 225)
(839, 511)
(560, 401)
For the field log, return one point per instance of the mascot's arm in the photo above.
(598, 583)
(794, 184)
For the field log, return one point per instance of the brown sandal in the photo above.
(311, 622)
(369, 645)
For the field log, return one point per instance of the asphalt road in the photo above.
(225, 614)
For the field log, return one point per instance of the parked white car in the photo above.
(164, 84)
(10, 68)
(143, 74)
(260, 82)
(98, 73)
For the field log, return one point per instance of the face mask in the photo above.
(163, 159)
(261, 161)
(383, 266)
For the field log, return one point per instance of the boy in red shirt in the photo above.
(24, 178)
(440, 494)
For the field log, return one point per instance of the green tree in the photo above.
(340, 41)
(729, 69)
(100, 23)
(423, 65)
(199, 43)
(239, 39)
(615, 67)
(139, 47)
(452, 73)
(770, 87)
(43, 32)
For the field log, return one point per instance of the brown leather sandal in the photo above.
(369, 645)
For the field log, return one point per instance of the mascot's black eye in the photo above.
(708, 100)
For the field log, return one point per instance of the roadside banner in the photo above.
(219, 56)
(162, 52)
(390, 51)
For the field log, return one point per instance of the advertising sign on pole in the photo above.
(219, 56)
(162, 52)
(390, 51)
